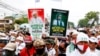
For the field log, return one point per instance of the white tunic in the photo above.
(93, 53)
(77, 53)
(51, 52)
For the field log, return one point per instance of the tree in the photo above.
(21, 20)
(83, 22)
(88, 17)
(93, 15)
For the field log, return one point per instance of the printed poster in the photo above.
(36, 21)
(58, 22)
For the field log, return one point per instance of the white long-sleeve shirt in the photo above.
(19, 48)
(77, 53)
(93, 53)
(51, 52)
(36, 20)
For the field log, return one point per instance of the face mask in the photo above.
(40, 51)
(61, 49)
(82, 47)
(29, 45)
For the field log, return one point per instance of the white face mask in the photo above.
(82, 47)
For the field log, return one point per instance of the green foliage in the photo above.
(83, 22)
(9, 17)
(90, 15)
(21, 20)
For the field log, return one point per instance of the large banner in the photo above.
(58, 24)
(36, 21)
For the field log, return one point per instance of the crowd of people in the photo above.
(80, 42)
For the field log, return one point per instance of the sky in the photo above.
(77, 8)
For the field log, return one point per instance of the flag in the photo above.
(91, 21)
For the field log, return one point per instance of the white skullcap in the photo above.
(39, 42)
(75, 32)
(12, 38)
(2, 34)
(93, 39)
(20, 38)
(10, 46)
(71, 30)
(82, 37)
(34, 12)
(80, 28)
(13, 32)
(98, 37)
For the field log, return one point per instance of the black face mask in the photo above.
(40, 51)
(29, 46)
(61, 49)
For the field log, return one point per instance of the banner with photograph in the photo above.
(58, 23)
(36, 21)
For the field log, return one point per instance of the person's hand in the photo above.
(56, 48)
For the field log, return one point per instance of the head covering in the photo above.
(93, 39)
(2, 34)
(12, 38)
(75, 32)
(80, 29)
(82, 37)
(20, 38)
(34, 12)
(49, 41)
(39, 42)
(13, 32)
(98, 37)
(28, 39)
(10, 46)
